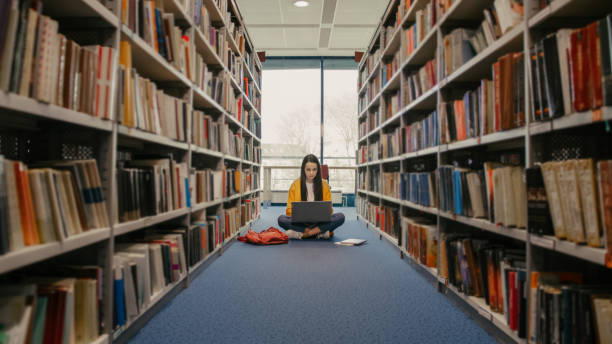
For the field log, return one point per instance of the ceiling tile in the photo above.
(360, 11)
(355, 38)
(302, 37)
(260, 11)
(267, 38)
(301, 15)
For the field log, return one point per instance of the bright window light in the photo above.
(300, 3)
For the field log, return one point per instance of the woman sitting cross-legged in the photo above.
(309, 187)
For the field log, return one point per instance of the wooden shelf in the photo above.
(560, 12)
(571, 121)
(204, 205)
(464, 10)
(31, 108)
(155, 298)
(584, 252)
(202, 100)
(515, 233)
(427, 101)
(86, 10)
(172, 6)
(32, 254)
(206, 151)
(126, 227)
(501, 136)
(479, 305)
(152, 138)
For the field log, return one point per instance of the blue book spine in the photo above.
(119, 299)
(161, 41)
(187, 192)
(426, 190)
(198, 10)
(457, 194)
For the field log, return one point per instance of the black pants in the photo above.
(337, 219)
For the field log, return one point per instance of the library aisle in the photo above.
(311, 291)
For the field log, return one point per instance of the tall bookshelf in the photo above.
(35, 131)
(577, 135)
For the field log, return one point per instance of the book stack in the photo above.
(487, 270)
(250, 210)
(425, 21)
(148, 20)
(391, 105)
(419, 82)
(556, 298)
(202, 241)
(208, 185)
(391, 143)
(205, 131)
(374, 118)
(145, 268)
(374, 151)
(420, 240)
(575, 192)
(390, 68)
(147, 187)
(422, 134)
(231, 143)
(494, 106)
(572, 71)
(418, 188)
(62, 305)
(38, 61)
(141, 105)
(56, 201)
(231, 222)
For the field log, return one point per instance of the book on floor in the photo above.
(350, 242)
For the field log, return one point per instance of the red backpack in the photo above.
(270, 236)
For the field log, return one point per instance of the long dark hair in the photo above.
(316, 183)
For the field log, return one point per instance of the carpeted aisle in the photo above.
(311, 292)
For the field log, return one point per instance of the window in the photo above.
(291, 108)
(340, 126)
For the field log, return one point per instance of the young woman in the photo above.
(309, 187)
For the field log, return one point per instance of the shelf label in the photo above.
(543, 242)
(596, 115)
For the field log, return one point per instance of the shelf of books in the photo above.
(489, 164)
(124, 149)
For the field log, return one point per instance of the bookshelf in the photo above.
(407, 28)
(34, 130)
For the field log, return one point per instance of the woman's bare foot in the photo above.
(310, 232)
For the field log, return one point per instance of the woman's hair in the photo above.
(316, 183)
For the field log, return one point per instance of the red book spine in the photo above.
(595, 63)
(497, 85)
(578, 75)
(512, 302)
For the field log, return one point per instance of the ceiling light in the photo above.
(300, 3)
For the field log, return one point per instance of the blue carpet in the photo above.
(311, 292)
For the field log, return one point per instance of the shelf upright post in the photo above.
(439, 67)
(529, 153)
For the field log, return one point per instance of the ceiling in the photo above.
(324, 28)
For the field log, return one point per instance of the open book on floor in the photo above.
(350, 242)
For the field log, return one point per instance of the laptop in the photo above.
(311, 212)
